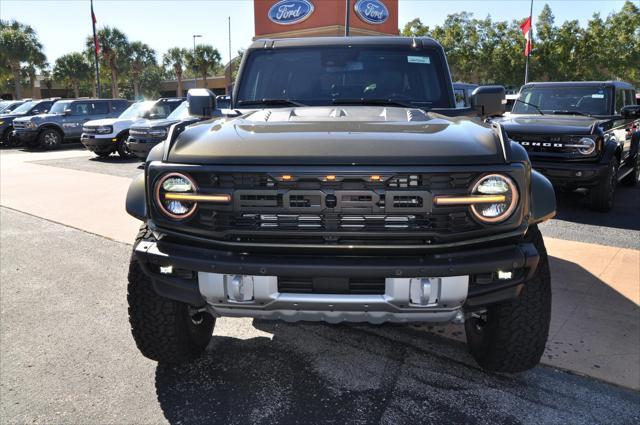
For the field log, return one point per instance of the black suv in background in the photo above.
(23, 109)
(64, 121)
(144, 135)
(580, 135)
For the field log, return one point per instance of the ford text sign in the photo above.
(288, 12)
(372, 11)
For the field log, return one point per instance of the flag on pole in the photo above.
(95, 37)
(526, 30)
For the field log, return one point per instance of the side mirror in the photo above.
(67, 111)
(202, 103)
(489, 100)
(630, 111)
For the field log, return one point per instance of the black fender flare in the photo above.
(543, 198)
(136, 201)
(51, 126)
(610, 150)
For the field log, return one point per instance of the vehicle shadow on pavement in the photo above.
(396, 374)
(574, 207)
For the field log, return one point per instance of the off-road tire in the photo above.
(163, 329)
(123, 149)
(602, 195)
(50, 138)
(511, 336)
(9, 140)
(633, 178)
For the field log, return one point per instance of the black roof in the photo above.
(344, 41)
(617, 84)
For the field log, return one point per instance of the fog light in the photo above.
(166, 269)
(504, 275)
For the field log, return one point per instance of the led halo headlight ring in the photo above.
(586, 146)
(513, 192)
(160, 202)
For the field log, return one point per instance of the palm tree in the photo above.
(72, 68)
(114, 53)
(205, 58)
(175, 59)
(142, 56)
(18, 44)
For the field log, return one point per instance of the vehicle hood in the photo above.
(104, 121)
(6, 117)
(40, 117)
(352, 135)
(146, 124)
(549, 124)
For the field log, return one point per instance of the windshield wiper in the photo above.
(565, 112)
(362, 101)
(531, 104)
(270, 102)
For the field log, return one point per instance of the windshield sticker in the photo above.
(419, 59)
(597, 96)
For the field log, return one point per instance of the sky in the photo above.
(63, 25)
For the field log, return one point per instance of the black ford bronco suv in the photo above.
(581, 135)
(345, 187)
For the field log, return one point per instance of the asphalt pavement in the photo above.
(68, 357)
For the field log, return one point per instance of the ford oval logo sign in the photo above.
(372, 11)
(288, 12)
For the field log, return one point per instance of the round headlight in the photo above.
(586, 146)
(177, 183)
(497, 185)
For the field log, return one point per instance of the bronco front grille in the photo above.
(345, 209)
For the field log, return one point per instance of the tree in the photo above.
(72, 69)
(114, 53)
(205, 58)
(19, 44)
(141, 57)
(174, 60)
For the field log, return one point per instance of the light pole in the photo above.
(195, 79)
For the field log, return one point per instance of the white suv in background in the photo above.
(105, 136)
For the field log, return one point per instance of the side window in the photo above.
(100, 108)
(629, 99)
(81, 108)
(119, 105)
(619, 100)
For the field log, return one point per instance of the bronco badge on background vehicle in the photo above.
(580, 135)
(347, 187)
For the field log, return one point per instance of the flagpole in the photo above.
(95, 52)
(526, 67)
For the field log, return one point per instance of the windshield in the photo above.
(326, 75)
(59, 107)
(180, 113)
(24, 108)
(587, 100)
(137, 110)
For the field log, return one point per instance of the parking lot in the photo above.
(68, 355)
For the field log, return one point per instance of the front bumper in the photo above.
(141, 147)
(25, 136)
(571, 174)
(203, 277)
(99, 144)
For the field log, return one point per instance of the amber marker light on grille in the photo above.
(287, 177)
(375, 178)
(195, 197)
(469, 199)
(330, 177)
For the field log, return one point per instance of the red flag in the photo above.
(526, 30)
(95, 37)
